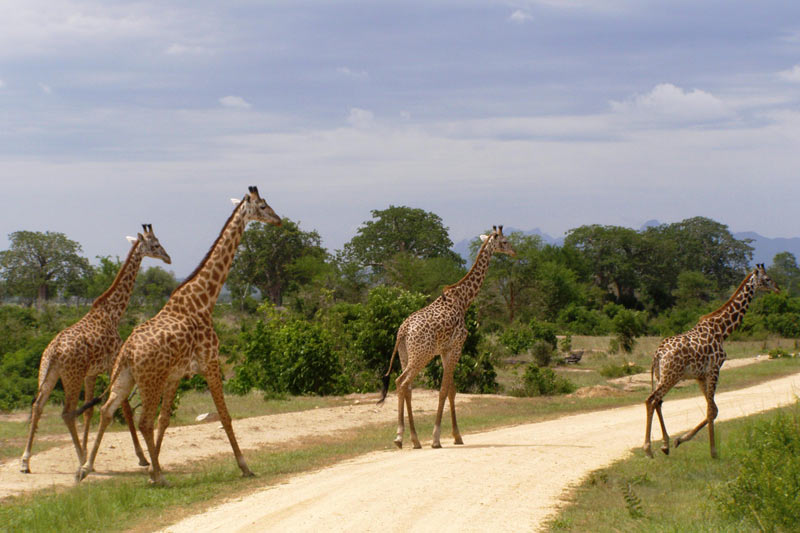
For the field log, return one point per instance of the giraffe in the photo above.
(179, 341)
(80, 352)
(698, 354)
(439, 329)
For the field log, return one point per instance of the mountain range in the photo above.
(764, 248)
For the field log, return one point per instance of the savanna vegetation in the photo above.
(297, 319)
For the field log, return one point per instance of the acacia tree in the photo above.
(406, 247)
(786, 273)
(274, 259)
(39, 265)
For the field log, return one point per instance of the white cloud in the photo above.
(520, 17)
(355, 74)
(669, 103)
(236, 102)
(176, 49)
(360, 118)
(792, 74)
(46, 89)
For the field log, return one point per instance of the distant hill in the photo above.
(764, 248)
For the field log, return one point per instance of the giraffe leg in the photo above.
(712, 411)
(36, 413)
(122, 387)
(88, 394)
(403, 386)
(412, 429)
(214, 382)
(447, 382)
(72, 392)
(128, 413)
(451, 395)
(146, 427)
(649, 406)
(688, 436)
(167, 401)
(664, 434)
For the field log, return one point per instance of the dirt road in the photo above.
(504, 480)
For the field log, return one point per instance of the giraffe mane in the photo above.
(457, 283)
(202, 263)
(712, 314)
(103, 297)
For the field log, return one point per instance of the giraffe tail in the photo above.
(385, 378)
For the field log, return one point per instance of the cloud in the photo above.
(46, 89)
(176, 49)
(669, 103)
(236, 102)
(520, 17)
(792, 74)
(360, 118)
(355, 74)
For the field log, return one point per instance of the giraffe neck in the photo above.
(728, 317)
(468, 287)
(199, 292)
(115, 300)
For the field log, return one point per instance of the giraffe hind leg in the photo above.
(36, 413)
(411, 428)
(664, 434)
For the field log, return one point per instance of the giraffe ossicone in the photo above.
(439, 329)
(698, 354)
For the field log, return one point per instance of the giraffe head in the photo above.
(499, 241)
(763, 281)
(256, 208)
(150, 245)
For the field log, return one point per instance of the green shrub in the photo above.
(766, 489)
(517, 339)
(627, 325)
(777, 353)
(617, 371)
(287, 356)
(566, 344)
(542, 353)
(543, 382)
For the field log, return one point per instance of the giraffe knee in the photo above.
(712, 411)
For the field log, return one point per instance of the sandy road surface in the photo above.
(57, 466)
(504, 480)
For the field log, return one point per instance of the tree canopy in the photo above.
(39, 265)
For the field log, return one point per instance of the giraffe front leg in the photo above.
(127, 412)
(664, 434)
(214, 382)
(456, 433)
(648, 425)
(88, 394)
(447, 382)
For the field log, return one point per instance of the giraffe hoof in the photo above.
(648, 452)
(458, 440)
(436, 445)
(81, 474)
(417, 445)
(248, 473)
(144, 462)
(398, 443)
(665, 449)
(25, 470)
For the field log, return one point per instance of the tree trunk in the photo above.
(41, 297)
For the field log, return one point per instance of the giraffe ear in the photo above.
(130, 239)
(484, 237)
(235, 201)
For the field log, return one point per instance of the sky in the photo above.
(533, 114)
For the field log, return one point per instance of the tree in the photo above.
(153, 287)
(396, 237)
(39, 265)
(693, 289)
(102, 276)
(274, 260)
(785, 272)
(613, 253)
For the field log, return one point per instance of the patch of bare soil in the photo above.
(184, 444)
(597, 391)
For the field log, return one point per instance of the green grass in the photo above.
(675, 493)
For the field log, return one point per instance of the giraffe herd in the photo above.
(180, 341)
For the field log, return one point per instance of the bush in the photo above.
(766, 490)
(627, 325)
(542, 353)
(292, 356)
(617, 371)
(517, 339)
(543, 382)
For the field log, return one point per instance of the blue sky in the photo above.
(543, 114)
